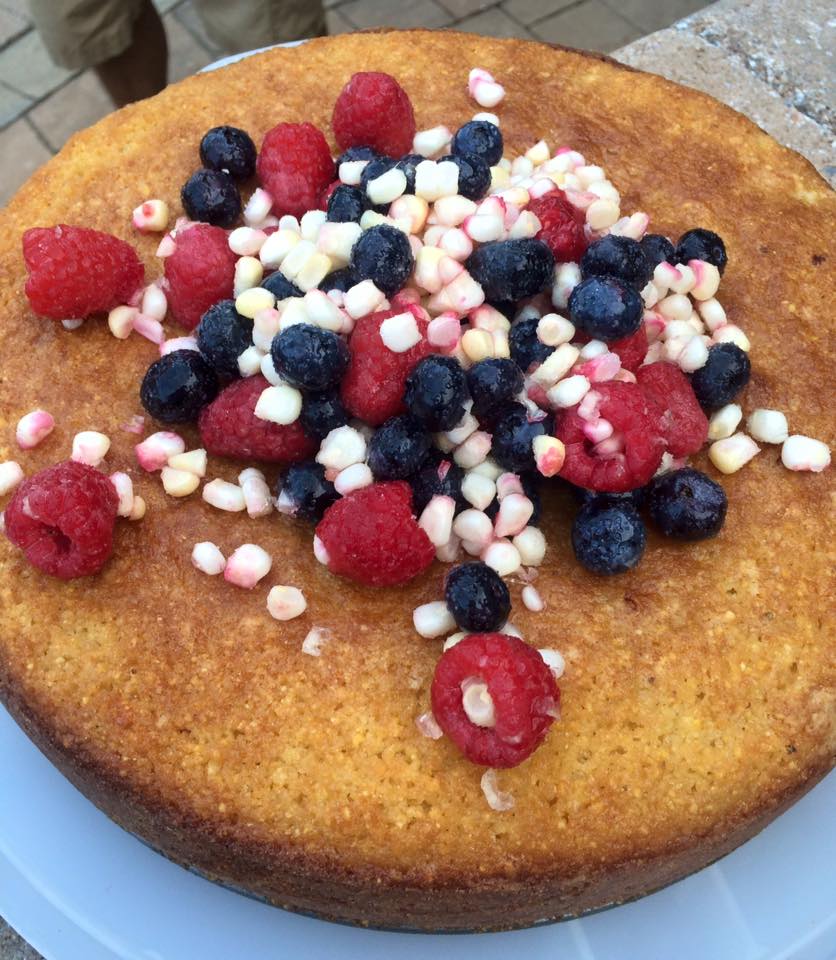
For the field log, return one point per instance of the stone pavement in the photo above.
(41, 105)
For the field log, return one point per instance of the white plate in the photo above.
(80, 888)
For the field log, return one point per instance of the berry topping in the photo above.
(304, 493)
(341, 280)
(199, 273)
(222, 336)
(295, 166)
(228, 149)
(374, 110)
(347, 204)
(562, 226)
(178, 386)
(474, 174)
(605, 308)
(477, 597)
(631, 349)
(309, 357)
(212, 197)
(398, 448)
(74, 272)
(513, 438)
(700, 244)
(384, 256)
(376, 168)
(608, 535)
(512, 269)
(687, 504)
(493, 383)
(436, 391)
(281, 288)
(407, 166)
(657, 249)
(230, 428)
(438, 477)
(526, 347)
(682, 423)
(356, 153)
(372, 536)
(725, 373)
(495, 698)
(322, 413)
(479, 138)
(620, 257)
(63, 518)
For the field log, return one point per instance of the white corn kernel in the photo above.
(179, 483)
(257, 497)
(224, 496)
(342, 447)
(277, 247)
(246, 241)
(207, 558)
(286, 603)
(400, 332)
(694, 355)
(475, 527)
(154, 302)
(558, 363)
(355, 477)
(712, 313)
(452, 211)
(729, 333)
(552, 329)
(120, 321)
(724, 421)
(258, 207)
(430, 142)
(502, 556)
(247, 565)
(477, 345)
(153, 453)
(281, 404)
(804, 453)
(351, 172)
(478, 490)
(515, 511)
(433, 619)
(335, 240)
(473, 451)
(151, 216)
(90, 447)
(554, 661)
(675, 307)
(531, 599)
(11, 474)
(124, 487)
(732, 453)
(138, 509)
(768, 426)
(549, 455)
(192, 462)
(33, 428)
(706, 279)
(248, 274)
(436, 519)
(569, 391)
(249, 362)
(478, 704)
(310, 224)
(387, 187)
(253, 301)
(566, 278)
(363, 298)
(266, 325)
(601, 214)
(531, 545)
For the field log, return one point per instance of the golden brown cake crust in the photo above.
(698, 700)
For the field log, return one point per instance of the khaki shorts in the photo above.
(82, 33)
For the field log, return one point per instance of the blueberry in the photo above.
(211, 197)
(383, 255)
(508, 308)
(228, 149)
(479, 137)
(437, 477)
(347, 204)
(701, 244)
(493, 383)
(341, 280)
(620, 257)
(222, 336)
(178, 386)
(608, 537)
(436, 391)
(309, 357)
(584, 496)
(657, 249)
(526, 346)
(687, 504)
(281, 288)
(375, 168)
(398, 448)
(512, 269)
(606, 308)
(304, 493)
(724, 375)
(408, 164)
(474, 174)
(513, 436)
(322, 413)
(357, 153)
(477, 597)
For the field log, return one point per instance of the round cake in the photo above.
(698, 699)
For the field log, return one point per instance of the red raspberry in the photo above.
(373, 110)
(632, 349)
(682, 421)
(325, 196)
(373, 386)
(371, 536)
(74, 272)
(523, 690)
(562, 226)
(295, 166)
(199, 273)
(230, 428)
(626, 408)
(63, 518)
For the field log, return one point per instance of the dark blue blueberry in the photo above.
(356, 153)
(375, 168)
(398, 448)
(347, 204)
(304, 493)
(309, 357)
(512, 269)
(513, 436)
(608, 537)
(479, 137)
(493, 383)
(408, 164)
(211, 197)
(436, 391)
(383, 255)
(583, 496)
(178, 386)
(531, 488)
(620, 257)
(474, 174)
(657, 249)
(687, 504)
(438, 477)
(508, 308)
(477, 597)
(724, 375)
(700, 244)
(526, 347)
(228, 149)
(322, 413)
(606, 308)
(342, 280)
(222, 336)
(281, 288)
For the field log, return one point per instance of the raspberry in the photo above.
(373, 386)
(632, 349)
(373, 110)
(371, 536)
(230, 428)
(682, 421)
(199, 273)
(63, 518)
(562, 226)
(626, 408)
(524, 693)
(295, 166)
(325, 196)
(74, 272)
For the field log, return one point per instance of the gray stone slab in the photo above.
(587, 26)
(25, 66)
(12, 105)
(494, 23)
(529, 11)
(21, 153)
(382, 13)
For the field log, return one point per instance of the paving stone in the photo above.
(189, 18)
(25, 66)
(165, 5)
(588, 26)
(11, 25)
(384, 13)
(21, 153)
(79, 104)
(185, 55)
(12, 105)
(529, 11)
(464, 8)
(650, 15)
(336, 22)
(20, 7)
(494, 23)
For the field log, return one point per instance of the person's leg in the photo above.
(250, 24)
(141, 70)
